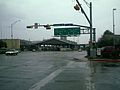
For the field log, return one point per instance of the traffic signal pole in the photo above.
(82, 10)
(90, 22)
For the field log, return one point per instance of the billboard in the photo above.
(72, 31)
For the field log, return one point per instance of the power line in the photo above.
(87, 3)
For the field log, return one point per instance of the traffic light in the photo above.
(76, 7)
(62, 24)
(47, 26)
(36, 25)
(29, 27)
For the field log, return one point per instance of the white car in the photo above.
(12, 52)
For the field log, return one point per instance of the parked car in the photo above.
(12, 52)
(110, 51)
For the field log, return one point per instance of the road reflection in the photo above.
(106, 75)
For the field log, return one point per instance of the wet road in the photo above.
(106, 75)
(57, 71)
(43, 71)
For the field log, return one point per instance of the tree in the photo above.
(107, 32)
(106, 39)
(3, 44)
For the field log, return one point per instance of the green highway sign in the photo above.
(72, 31)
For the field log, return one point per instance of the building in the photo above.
(54, 45)
(16, 43)
(12, 43)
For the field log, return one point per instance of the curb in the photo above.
(106, 60)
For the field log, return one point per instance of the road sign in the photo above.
(67, 31)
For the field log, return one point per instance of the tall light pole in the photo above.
(12, 32)
(91, 24)
(113, 27)
(12, 27)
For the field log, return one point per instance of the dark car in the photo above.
(110, 51)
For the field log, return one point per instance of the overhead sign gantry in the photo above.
(69, 29)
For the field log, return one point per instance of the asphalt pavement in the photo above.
(73, 76)
(57, 71)
(106, 74)
(44, 71)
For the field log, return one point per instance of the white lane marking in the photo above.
(44, 81)
(89, 80)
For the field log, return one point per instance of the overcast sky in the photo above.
(54, 11)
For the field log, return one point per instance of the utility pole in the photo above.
(1, 32)
(91, 27)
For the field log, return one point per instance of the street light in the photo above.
(12, 27)
(113, 27)
(12, 32)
